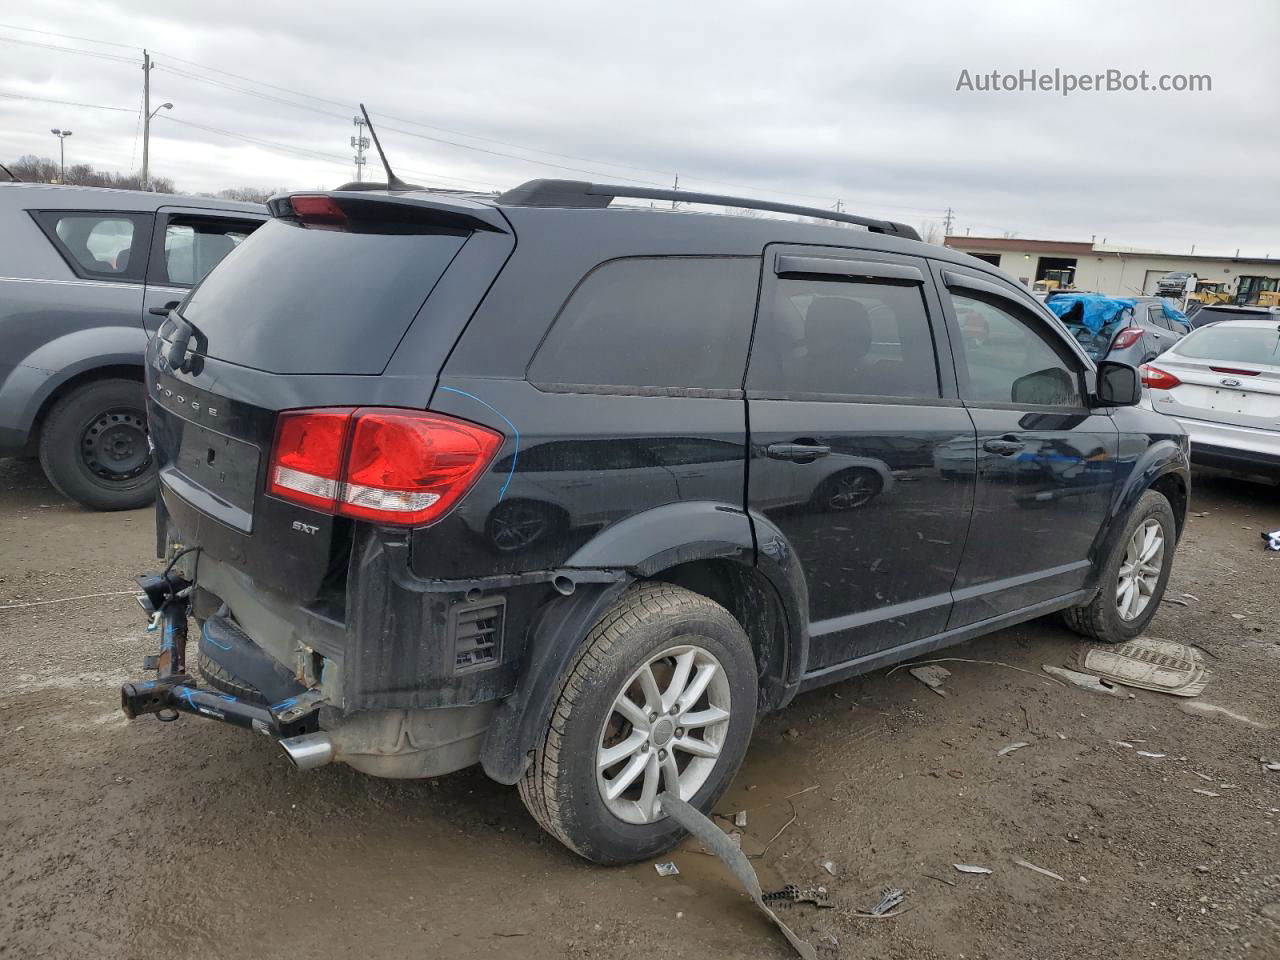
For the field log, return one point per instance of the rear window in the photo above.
(1208, 315)
(293, 299)
(665, 322)
(1233, 344)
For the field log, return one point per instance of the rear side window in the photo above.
(663, 322)
(195, 245)
(843, 337)
(98, 246)
(1229, 343)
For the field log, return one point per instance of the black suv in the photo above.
(577, 492)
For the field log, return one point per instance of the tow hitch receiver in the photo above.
(173, 691)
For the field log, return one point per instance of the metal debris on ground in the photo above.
(1040, 870)
(1009, 748)
(1271, 539)
(732, 857)
(828, 866)
(1086, 681)
(1150, 664)
(1190, 596)
(1272, 765)
(1153, 756)
(989, 663)
(932, 677)
(1205, 793)
(890, 897)
(1212, 709)
(970, 868)
(792, 894)
(1177, 600)
(667, 869)
(740, 818)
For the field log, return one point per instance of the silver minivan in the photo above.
(81, 271)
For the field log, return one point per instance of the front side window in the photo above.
(844, 337)
(195, 245)
(1004, 358)
(97, 245)
(654, 322)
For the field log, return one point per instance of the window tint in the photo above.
(654, 322)
(195, 245)
(1005, 360)
(101, 244)
(828, 336)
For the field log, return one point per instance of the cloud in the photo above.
(808, 104)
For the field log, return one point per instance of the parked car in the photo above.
(83, 268)
(1222, 383)
(1216, 313)
(1173, 284)
(1130, 330)
(337, 407)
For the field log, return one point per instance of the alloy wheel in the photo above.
(1140, 570)
(664, 732)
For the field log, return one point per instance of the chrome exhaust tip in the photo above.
(308, 751)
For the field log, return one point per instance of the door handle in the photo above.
(796, 452)
(1005, 446)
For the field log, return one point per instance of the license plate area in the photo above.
(215, 473)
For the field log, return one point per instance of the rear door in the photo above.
(1046, 462)
(861, 453)
(1159, 332)
(187, 244)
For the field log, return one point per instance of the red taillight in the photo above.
(1233, 370)
(1157, 379)
(1126, 338)
(306, 460)
(375, 463)
(320, 210)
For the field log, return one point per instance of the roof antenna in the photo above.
(393, 182)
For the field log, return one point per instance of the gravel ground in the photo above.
(192, 839)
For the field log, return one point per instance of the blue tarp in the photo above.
(1096, 311)
(1173, 313)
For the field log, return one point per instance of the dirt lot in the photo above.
(140, 840)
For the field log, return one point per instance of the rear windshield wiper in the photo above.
(181, 339)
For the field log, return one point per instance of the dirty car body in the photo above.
(784, 422)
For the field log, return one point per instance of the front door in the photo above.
(1046, 462)
(861, 453)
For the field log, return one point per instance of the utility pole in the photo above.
(359, 143)
(62, 152)
(675, 186)
(146, 120)
(947, 218)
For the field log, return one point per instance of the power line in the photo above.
(68, 103)
(83, 53)
(68, 36)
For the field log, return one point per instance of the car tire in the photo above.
(218, 677)
(94, 448)
(1108, 617)
(654, 627)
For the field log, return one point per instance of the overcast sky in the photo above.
(808, 103)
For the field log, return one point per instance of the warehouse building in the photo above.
(1114, 270)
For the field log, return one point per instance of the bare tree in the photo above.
(931, 232)
(35, 169)
(247, 194)
(1010, 234)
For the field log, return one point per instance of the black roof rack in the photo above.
(579, 193)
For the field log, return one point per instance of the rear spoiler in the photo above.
(402, 208)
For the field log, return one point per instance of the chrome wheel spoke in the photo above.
(679, 679)
(699, 748)
(612, 755)
(632, 712)
(649, 792)
(703, 718)
(701, 680)
(618, 784)
(649, 686)
(671, 775)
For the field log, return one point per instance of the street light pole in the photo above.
(62, 152)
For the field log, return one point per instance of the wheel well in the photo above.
(119, 371)
(754, 603)
(1174, 489)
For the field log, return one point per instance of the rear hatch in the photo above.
(313, 310)
(1227, 373)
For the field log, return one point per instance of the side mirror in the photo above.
(1118, 385)
(163, 311)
